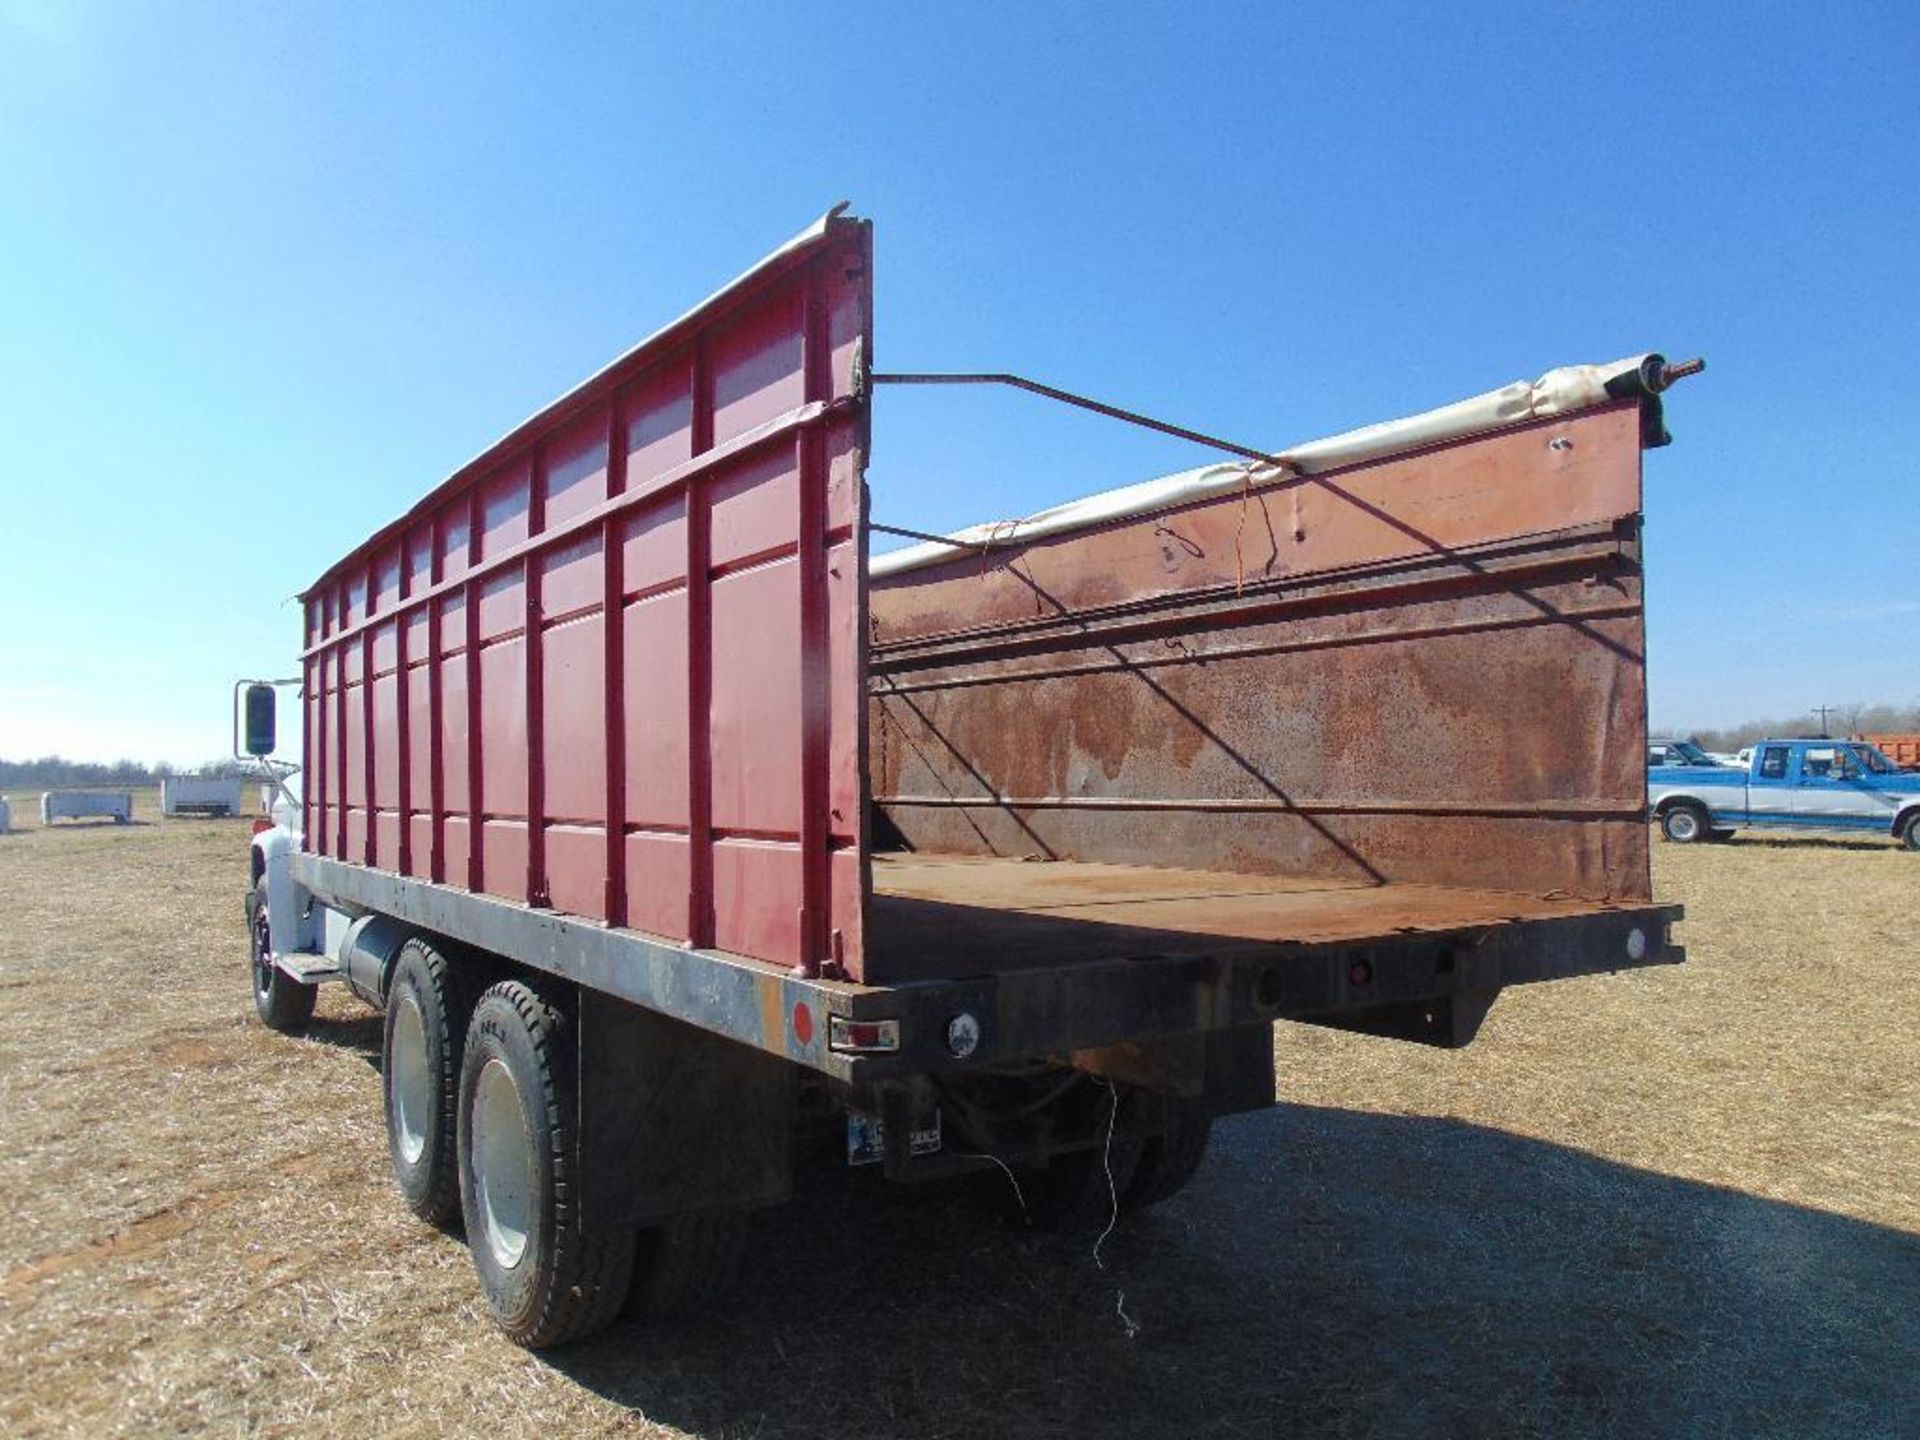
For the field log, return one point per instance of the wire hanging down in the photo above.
(1067, 397)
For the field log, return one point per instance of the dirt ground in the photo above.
(1677, 1202)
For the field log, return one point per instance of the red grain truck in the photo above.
(1903, 749)
(661, 821)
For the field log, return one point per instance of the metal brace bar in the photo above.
(1067, 397)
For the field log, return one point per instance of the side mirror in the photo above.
(261, 720)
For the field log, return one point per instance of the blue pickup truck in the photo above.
(1790, 784)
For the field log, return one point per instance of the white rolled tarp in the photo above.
(1558, 392)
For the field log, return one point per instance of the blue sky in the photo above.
(267, 273)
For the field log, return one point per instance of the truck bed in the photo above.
(948, 916)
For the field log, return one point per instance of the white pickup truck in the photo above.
(1789, 784)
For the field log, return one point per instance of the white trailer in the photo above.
(200, 795)
(115, 805)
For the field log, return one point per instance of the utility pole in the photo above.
(1821, 711)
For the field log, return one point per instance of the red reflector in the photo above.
(260, 827)
(1361, 973)
(803, 1023)
(862, 1037)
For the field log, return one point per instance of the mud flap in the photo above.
(674, 1120)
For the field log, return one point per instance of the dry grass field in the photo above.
(1679, 1202)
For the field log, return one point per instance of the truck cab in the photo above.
(1677, 753)
(1815, 784)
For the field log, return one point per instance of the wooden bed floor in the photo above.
(936, 915)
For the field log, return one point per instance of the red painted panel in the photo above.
(659, 872)
(570, 580)
(756, 507)
(756, 897)
(847, 879)
(845, 655)
(654, 644)
(453, 733)
(321, 712)
(756, 700)
(576, 869)
(455, 847)
(386, 742)
(503, 756)
(420, 839)
(386, 588)
(353, 788)
(503, 510)
(576, 471)
(503, 863)
(659, 426)
(386, 838)
(455, 530)
(653, 546)
(414, 623)
(419, 742)
(503, 603)
(356, 834)
(757, 366)
(453, 623)
(419, 558)
(573, 732)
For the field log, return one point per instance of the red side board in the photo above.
(613, 666)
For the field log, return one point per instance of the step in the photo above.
(309, 968)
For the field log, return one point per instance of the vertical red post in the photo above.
(700, 666)
(339, 658)
(436, 720)
(536, 880)
(476, 799)
(368, 752)
(815, 699)
(613, 632)
(403, 721)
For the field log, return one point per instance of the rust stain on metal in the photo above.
(1430, 672)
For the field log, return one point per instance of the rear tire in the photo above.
(1910, 837)
(1684, 824)
(1168, 1162)
(425, 1031)
(282, 1002)
(545, 1280)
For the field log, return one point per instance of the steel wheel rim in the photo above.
(503, 1179)
(1683, 826)
(262, 955)
(412, 1080)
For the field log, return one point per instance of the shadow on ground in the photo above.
(361, 1034)
(1331, 1272)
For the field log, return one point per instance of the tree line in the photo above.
(52, 772)
(1855, 719)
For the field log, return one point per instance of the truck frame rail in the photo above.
(1128, 979)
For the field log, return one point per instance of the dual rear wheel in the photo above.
(481, 1123)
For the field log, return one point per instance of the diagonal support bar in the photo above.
(1067, 397)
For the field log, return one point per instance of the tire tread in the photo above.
(587, 1275)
